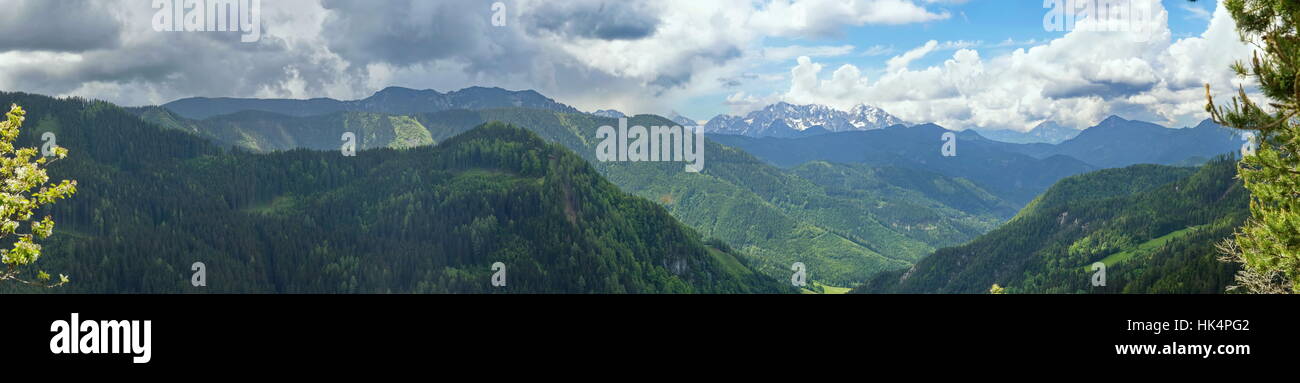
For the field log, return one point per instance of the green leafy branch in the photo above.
(24, 189)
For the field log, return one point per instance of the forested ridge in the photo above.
(846, 223)
(428, 219)
(1154, 227)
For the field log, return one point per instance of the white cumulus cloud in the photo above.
(1076, 80)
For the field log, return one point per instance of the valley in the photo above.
(856, 205)
(775, 216)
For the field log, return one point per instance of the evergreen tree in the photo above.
(1268, 246)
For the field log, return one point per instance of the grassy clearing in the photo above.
(281, 205)
(1145, 248)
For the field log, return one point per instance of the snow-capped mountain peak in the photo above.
(783, 119)
(865, 117)
(682, 120)
(610, 113)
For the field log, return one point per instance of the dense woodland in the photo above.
(845, 223)
(430, 219)
(159, 192)
(1155, 227)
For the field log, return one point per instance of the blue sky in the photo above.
(988, 21)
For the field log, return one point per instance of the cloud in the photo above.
(788, 52)
(406, 32)
(741, 103)
(698, 47)
(878, 50)
(59, 26)
(1076, 80)
(1196, 12)
(598, 19)
(900, 62)
(635, 55)
(827, 17)
(150, 67)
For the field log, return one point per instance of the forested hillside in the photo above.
(845, 224)
(408, 216)
(267, 132)
(152, 201)
(391, 100)
(1154, 227)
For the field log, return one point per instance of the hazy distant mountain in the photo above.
(682, 120)
(1117, 142)
(813, 131)
(609, 113)
(1048, 132)
(992, 165)
(672, 116)
(392, 100)
(788, 120)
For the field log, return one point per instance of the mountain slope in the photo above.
(1153, 226)
(909, 186)
(1048, 133)
(266, 131)
(776, 217)
(1117, 142)
(772, 215)
(610, 113)
(392, 100)
(428, 219)
(1012, 176)
(681, 120)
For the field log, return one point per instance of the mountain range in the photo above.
(681, 120)
(673, 116)
(392, 100)
(775, 216)
(1016, 172)
(787, 120)
(851, 205)
(1015, 177)
(609, 113)
(898, 228)
(1118, 142)
(152, 201)
(1047, 132)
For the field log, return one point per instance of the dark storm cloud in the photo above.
(414, 33)
(356, 48)
(605, 20)
(155, 67)
(179, 65)
(682, 74)
(1107, 90)
(58, 25)
(405, 32)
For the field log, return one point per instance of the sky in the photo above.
(989, 64)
